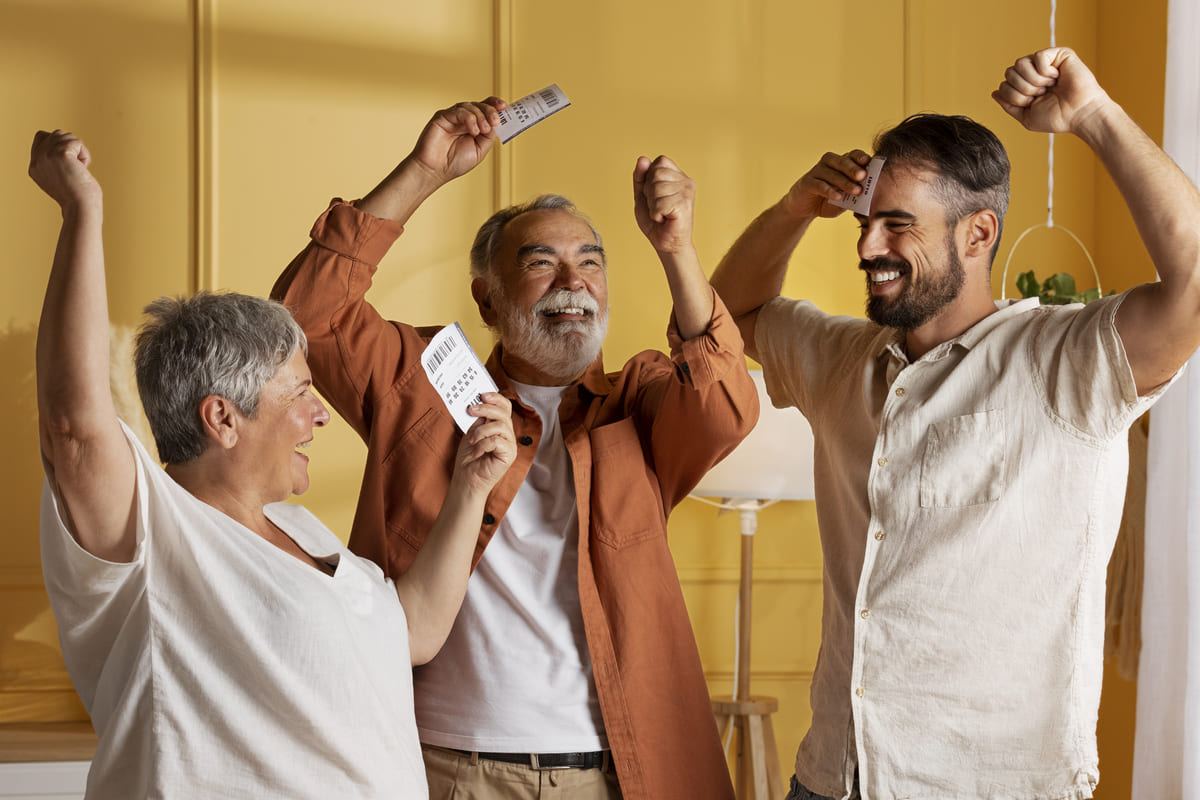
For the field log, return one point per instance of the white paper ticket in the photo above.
(456, 372)
(861, 203)
(530, 110)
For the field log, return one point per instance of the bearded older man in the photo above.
(572, 669)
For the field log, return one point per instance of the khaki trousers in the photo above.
(466, 777)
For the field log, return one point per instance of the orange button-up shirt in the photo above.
(638, 440)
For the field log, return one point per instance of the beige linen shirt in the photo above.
(968, 503)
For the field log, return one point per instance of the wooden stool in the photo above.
(757, 764)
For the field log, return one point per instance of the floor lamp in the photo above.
(775, 462)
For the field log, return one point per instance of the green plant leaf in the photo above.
(1027, 284)
(1060, 285)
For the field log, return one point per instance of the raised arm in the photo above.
(432, 589)
(752, 272)
(353, 351)
(663, 204)
(453, 143)
(81, 437)
(1053, 91)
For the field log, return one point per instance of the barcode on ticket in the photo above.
(530, 110)
(439, 355)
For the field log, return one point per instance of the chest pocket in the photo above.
(416, 469)
(964, 461)
(626, 505)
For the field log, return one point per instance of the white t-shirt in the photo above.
(515, 675)
(217, 665)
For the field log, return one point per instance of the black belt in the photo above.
(593, 760)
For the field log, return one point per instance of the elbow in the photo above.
(748, 417)
(425, 641)
(423, 649)
(746, 323)
(60, 435)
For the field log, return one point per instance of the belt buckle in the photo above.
(537, 763)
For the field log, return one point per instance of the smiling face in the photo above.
(287, 413)
(908, 251)
(547, 297)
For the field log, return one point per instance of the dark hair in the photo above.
(970, 162)
(212, 343)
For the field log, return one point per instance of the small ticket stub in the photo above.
(456, 373)
(530, 110)
(861, 203)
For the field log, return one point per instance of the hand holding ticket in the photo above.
(861, 203)
(456, 373)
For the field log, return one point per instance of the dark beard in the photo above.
(919, 300)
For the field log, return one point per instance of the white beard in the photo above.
(562, 350)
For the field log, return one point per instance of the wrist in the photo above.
(678, 251)
(1095, 121)
(467, 491)
(793, 211)
(87, 209)
(420, 176)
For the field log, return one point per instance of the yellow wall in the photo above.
(221, 129)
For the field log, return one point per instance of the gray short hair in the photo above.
(212, 343)
(487, 239)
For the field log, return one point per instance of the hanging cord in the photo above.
(1049, 197)
(1050, 155)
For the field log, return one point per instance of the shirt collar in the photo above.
(593, 381)
(891, 340)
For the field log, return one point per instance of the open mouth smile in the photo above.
(570, 311)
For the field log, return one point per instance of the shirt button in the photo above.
(866, 612)
(526, 440)
(488, 519)
(883, 462)
(900, 392)
(860, 691)
(880, 536)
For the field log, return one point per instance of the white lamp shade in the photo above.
(775, 462)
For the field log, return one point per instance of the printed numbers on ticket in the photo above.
(861, 203)
(456, 373)
(530, 110)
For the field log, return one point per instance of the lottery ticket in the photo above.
(456, 373)
(530, 110)
(861, 203)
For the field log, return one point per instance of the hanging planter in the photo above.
(1057, 290)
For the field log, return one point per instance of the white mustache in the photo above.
(561, 299)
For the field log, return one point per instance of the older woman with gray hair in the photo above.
(225, 643)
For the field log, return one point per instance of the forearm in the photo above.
(691, 293)
(72, 344)
(400, 194)
(432, 589)
(752, 271)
